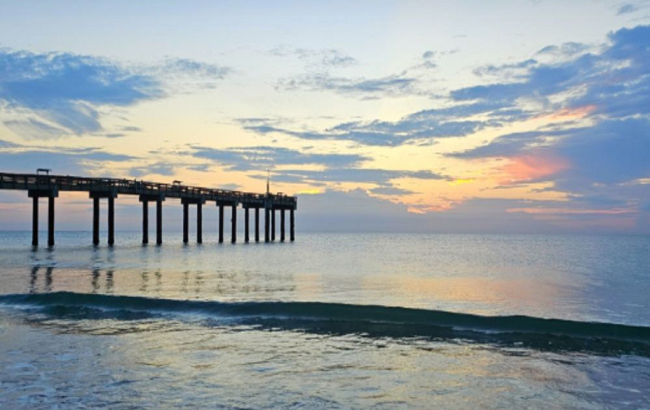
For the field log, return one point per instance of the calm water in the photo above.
(330, 321)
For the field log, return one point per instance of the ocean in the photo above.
(336, 321)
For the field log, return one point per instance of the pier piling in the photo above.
(35, 221)
(267, 224)
(186, 221)
(50, 221)
(36, 194)
(111, 220)
(220, 223)
(96, 221)
(246, 237)
(145, 221)
(199, 222)
(233, 220)
(159, 228)
(257, 224)
(96, 196)
(282, 225)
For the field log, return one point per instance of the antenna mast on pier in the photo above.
(268, 181)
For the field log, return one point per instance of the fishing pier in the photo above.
(44, 185)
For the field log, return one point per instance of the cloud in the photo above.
(34, 129)
(165, 169)
(593, 161)
(175, 67)
(70, 161)
(366, 88)
(570, 49)
(335, 168)
(627, 9)
(420, 127)
(391, 191)
(511, 144)
(614, 86)
(615, 81)
(319, 65)
(131, 128)
(262, 157)
(338, 211)
(612, 151)
(382, 177)
(316, 58)
(7, 144)
(65, 91)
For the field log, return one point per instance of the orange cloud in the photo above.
(569, 113)
(424, 209)
(533, 166)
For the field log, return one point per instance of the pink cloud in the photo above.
(532, 167)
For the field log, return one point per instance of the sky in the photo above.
(400, 116)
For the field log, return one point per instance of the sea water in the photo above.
(329, 321)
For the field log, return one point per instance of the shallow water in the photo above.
(455, 321)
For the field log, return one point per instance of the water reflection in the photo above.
(33, 279)
(194, 284)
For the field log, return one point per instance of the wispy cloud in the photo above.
(319, 75)
(262, 157)
(627, 9)
(365, 88)
(421, 127)
(316, 58)
(382, 177)
(73, 161)
(333, 168)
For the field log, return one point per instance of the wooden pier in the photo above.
(48, 186)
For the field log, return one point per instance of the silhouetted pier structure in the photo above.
(48, 186)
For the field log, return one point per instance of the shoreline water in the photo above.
(459, 321)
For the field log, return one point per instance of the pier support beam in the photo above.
(96, 221)
(282, 225)
(50, 221)
(267, 222)
(111, 220)
(220, 223)
(186, 221)
(199, 218)
(292, 226)
(35, 221)
(50, 194)
(257, 224)
(145, 221)
(96, 196)
(272, 225)
(159, 225)
(199, 222)
(145, 199)
(233, 220)
(246, 237)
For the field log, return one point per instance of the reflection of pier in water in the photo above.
(151, 282)
(48, 186)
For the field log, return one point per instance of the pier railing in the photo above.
(138, 187)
